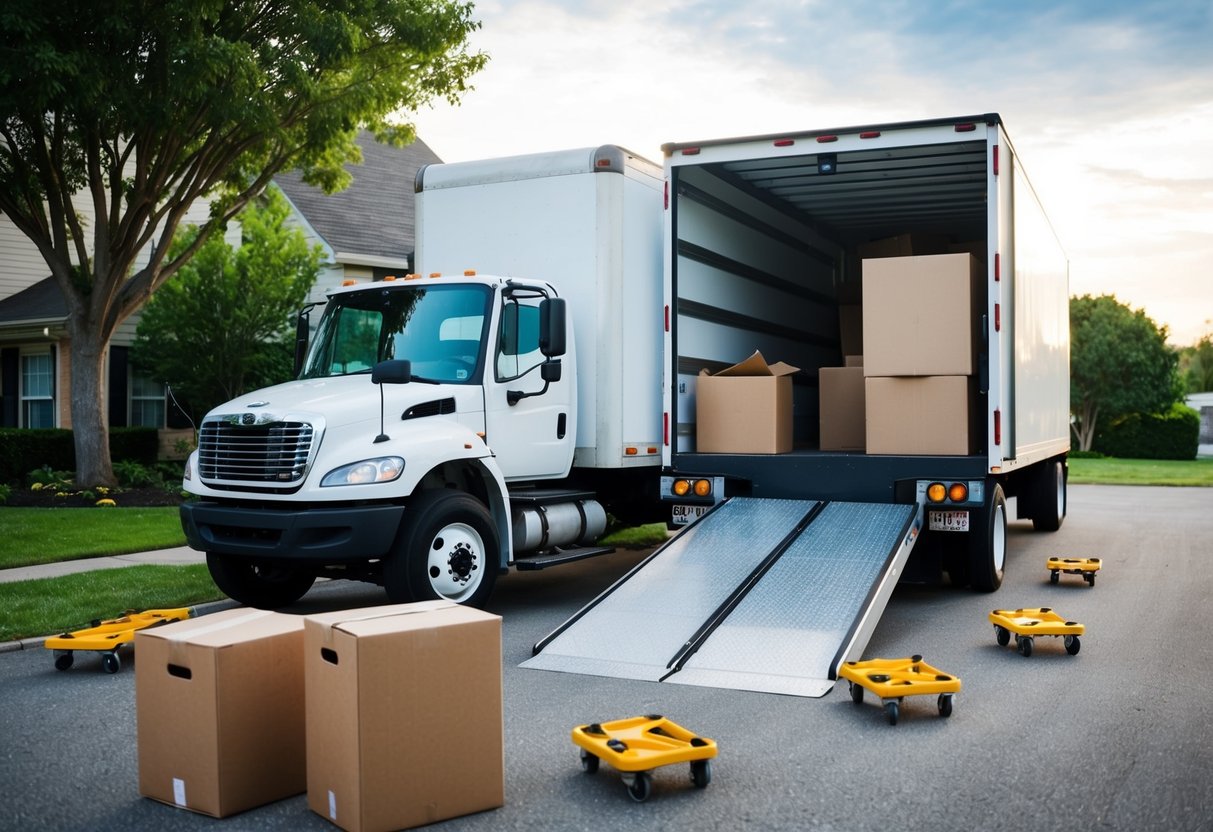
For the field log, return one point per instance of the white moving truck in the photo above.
(445, 426)
(910, 304)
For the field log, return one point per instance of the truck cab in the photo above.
(390, 457)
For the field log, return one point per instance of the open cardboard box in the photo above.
(746, 408)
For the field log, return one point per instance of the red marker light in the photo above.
(870, 134)
(966, 128)
(784, 142)
(824, 139)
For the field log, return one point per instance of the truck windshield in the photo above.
(439, 329)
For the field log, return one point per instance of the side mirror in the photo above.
(549, 371)
(396, 371)
(552, 327)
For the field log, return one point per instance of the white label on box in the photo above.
(332, 805)
(178, 791)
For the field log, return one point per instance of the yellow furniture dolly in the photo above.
(635, 746)
(108, 635)
(894, 679)
(1026, 624)
(1087, 567)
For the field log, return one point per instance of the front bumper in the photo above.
(347, 533)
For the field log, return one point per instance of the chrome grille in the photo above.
(275, 453)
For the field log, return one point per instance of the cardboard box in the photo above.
(745, 409)
(850, 329)
(842, 408)
(404, 716)
(220, 712)
(922, 415)
(852, 361)
(919, 315)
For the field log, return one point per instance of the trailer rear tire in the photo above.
(988, 543)
(1049, 494)
(264, 584)
(447, 549)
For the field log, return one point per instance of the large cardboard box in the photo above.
(921, 415)
(842, 408)
(745, 409)
(220, 711)
(404, 716)
(918, 315)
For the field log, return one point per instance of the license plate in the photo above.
(683, 515)
(948, 521)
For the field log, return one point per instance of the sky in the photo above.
(1109, 103)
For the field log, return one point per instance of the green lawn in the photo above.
(1198, 472)
(47, 535)
(54, 605)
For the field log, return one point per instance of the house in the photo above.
(365, 231)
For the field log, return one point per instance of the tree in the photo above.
(1196, 365)
(1119, 363)
(223, 324)
(136, 108)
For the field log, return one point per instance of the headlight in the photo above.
(382, 469)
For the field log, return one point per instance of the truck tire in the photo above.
(447, 548)
(1049, 496)
(988, 543)
(266, 585)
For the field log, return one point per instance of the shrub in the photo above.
(22, 449)
(1171, 435)
(5, 490)
(132, 474)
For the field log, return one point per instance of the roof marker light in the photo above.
(967, 127)
(784, 142)
(870, 134)
(824, 139)
(389, 278)
(690, 151)
(348, 282)
(435, 274)
(469, 272)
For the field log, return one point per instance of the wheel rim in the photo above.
(1061, 490)
(455, 563)
(998, 545)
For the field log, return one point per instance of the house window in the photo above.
(147, 403)
(37, 390)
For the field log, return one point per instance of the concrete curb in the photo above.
(36, 642)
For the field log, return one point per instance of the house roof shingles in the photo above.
(374, 215)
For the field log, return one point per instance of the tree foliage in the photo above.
(1119, 363)
(223, 324)
(1196, 365)
(115, 117)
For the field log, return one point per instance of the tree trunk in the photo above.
(90, 426)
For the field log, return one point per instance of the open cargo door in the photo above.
(759, 594)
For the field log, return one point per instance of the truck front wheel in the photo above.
(447, 548)
(263, 584)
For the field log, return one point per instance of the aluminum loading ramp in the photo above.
(759, 594)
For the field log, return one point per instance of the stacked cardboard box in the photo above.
(919, 336)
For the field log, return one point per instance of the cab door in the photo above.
(534, 436)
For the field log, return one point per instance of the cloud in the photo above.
(1109, 104)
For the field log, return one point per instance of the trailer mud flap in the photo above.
(759, 594)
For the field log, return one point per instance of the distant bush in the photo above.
(1077, 454)
(1171, 435)
(23, 449)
